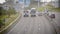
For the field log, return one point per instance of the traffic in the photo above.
(32, 13)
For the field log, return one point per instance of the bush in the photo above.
(2, 11)
(1, 23)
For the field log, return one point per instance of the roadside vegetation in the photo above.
(52, 8)
(6, 17)
(41, 9)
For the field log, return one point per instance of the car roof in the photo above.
(33, 8)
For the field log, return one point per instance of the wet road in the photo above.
(33, 25)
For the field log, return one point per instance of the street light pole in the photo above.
(38, 3)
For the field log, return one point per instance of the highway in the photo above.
(33, 25)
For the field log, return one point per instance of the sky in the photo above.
(2, 1)
(45, 0)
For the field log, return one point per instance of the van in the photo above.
(33, 12)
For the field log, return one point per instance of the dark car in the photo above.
(52, 16)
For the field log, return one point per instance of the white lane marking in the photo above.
(39, 28)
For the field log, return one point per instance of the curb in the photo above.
(4, 30)
(53, 23)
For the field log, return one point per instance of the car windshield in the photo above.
(29, 16)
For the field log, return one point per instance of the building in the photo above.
(25, 2)
(56, 3)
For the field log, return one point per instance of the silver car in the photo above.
(33, 12)
(39, 14)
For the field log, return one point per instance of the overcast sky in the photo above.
(2, 1)
(45, 0)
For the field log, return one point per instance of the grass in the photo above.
(52, 8)
(49, 6)
(41, 9)
(10, 19)
(3, 17)
(7, 17)
(56, 9)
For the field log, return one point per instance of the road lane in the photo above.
(33, 25)
(49, 28)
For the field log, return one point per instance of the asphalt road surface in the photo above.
(33, 25)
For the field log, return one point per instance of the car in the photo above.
(33, 15)
(52, 16)
(39, 14)
(33, 12)
(26, 14)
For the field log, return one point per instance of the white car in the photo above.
(26, 13)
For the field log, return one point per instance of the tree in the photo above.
(0, 10)
(1, 23)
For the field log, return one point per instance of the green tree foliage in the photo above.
(2, 11)
(11, 11)
(1, 23)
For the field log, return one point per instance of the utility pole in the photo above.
(38, 3)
